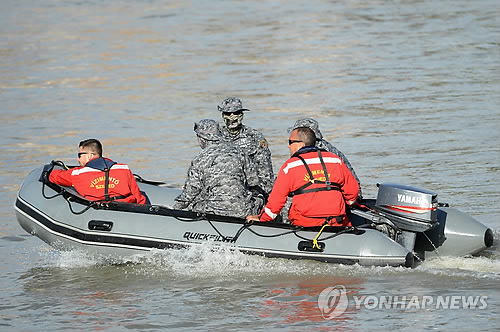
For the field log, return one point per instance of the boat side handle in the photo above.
(100, 225)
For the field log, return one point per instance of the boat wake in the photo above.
(225, 262)
(477, 267)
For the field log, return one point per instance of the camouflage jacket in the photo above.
(325, 145)
(254, 144)
(218, 182)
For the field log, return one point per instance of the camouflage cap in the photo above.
(208, 129)
(231, 104)
(308, 123)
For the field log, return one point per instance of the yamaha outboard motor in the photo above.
(413, 210)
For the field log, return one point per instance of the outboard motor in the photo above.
(413, 210)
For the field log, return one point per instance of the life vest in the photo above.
(104, 165)
(327, 184)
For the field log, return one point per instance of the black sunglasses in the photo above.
(231, 113)
(290, 142)
(80, 154)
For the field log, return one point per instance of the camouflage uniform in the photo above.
(255, 146)
(219, 178)
(251, 141)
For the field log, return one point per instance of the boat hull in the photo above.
(143, 228)
(66, 221)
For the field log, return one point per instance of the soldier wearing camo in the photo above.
(249, 140)
(219, 178)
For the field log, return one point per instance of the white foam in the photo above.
(476, 267)
(218, 261)
(67, 259)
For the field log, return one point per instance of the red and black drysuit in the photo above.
(320, 186)
(101, 179)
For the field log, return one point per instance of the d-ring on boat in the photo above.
(402, 226)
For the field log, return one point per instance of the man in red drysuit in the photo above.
(318, 181)
(99, 178)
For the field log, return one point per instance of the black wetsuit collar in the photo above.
(305, 149)
(100, 164)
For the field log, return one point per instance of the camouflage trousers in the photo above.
(285, 210)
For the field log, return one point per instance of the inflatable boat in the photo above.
(401, 227)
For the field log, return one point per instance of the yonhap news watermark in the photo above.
(334, 301)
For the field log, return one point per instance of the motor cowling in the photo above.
(410, 208)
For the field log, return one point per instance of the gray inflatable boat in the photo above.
(399, 228)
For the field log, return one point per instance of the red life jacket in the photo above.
(320, 185)
(101, 179)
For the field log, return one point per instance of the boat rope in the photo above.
(244, 227)
(45, 180)
(247, 226)
(68, 197)
(49, 197)
(79, 212)
(292, 231)
(276, 235)
(435, 248)
(220, 234)
(345, 230)
(45, 177)
(233, 238)
(238, 233)
(189, 219)
(315, 240)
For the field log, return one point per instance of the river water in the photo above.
(408, 90)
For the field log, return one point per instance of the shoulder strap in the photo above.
(106, 181)
(328, 184)
(303, 189)
(106, 184)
